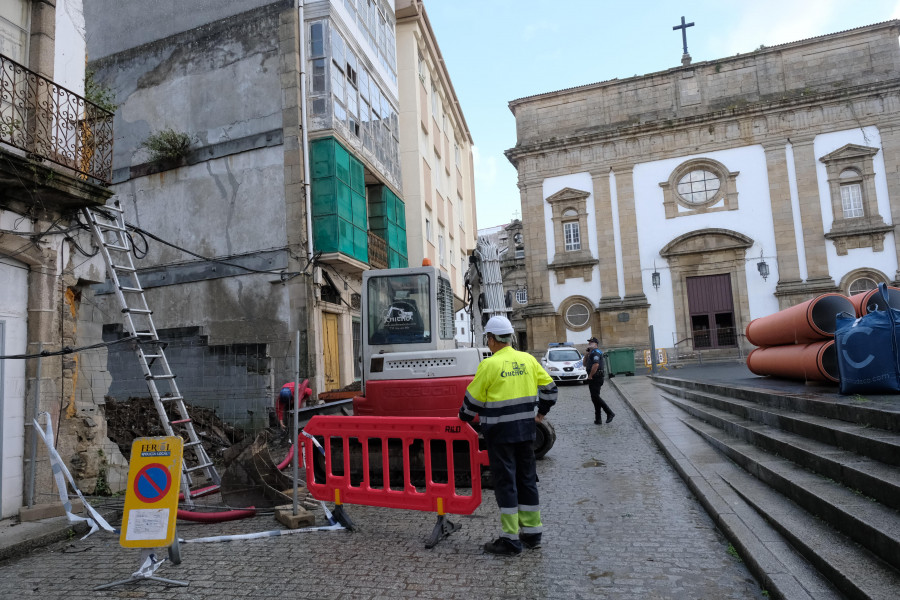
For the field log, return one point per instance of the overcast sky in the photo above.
(500, 50)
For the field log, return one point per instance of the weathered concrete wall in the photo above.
(216, 83)
(857, 57)
(129, 24)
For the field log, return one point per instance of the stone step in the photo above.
(864, 475)
(853, 570)
(872, 525)
(862, 439)
(781, 569)
(882, 412)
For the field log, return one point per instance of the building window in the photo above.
(428, 232)
(520, 252)
(698, 187)
(441, 250)
(572, 236)
(421, 68)
(863, 284)
(851, 196)
(435, 104)
(851, 182)
(522, 296)
(577, 315)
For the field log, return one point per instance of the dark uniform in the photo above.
(595, 357)
(504, 393)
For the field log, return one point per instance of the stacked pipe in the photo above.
(798, 342)
(495, 302)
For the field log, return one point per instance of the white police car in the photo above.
(563, 363)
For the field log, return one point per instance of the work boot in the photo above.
(532, 541)
(610, 417)
(503, 547)
(598, 421)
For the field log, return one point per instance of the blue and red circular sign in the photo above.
(152, 483)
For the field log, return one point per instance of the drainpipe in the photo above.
(2, 401)
(304, 141)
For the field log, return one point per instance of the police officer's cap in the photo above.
(594, 340)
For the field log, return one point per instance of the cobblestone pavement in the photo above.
(619, 523)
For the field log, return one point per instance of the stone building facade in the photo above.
(698, 198)
(436, 151)
(50, 170)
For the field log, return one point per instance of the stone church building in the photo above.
(699, 198)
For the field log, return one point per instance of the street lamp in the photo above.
(762, 266)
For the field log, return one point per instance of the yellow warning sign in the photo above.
(151, 499)
(662, 359)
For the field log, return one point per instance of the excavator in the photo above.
(412, 363)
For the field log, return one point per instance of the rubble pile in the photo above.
(137, 417)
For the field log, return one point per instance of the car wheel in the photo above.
(545, 438)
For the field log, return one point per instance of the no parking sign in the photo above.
(151, 499)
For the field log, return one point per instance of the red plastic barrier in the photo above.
(810, 321)
(433, 397)
(436, 497)
(867, 301)
(813, 362)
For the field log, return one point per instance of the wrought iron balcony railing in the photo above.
(49, 122)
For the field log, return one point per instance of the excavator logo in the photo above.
(396, 314)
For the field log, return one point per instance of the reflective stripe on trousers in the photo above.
(515, 487)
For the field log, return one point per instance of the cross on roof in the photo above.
(683, 27)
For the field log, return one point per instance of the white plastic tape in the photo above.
(61, 474)
(261, 534)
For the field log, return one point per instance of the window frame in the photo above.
(573, 227)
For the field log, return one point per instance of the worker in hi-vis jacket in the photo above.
(504, 393)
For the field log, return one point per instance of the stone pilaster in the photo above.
(782, 213)
(890, 150)
(606, 247)
(532, 196)
(628, 233)
(811, 212)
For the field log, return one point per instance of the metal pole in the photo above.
(654, 368)
(37, 406)
(295, 436)
(2, 401)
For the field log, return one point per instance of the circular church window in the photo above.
(698, 186)
(577, 315)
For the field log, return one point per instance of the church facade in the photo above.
(699, 198)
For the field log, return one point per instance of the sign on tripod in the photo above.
(151, 499)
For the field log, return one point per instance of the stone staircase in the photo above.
(822, 472)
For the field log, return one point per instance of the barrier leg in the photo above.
(442, 528)
(340, 514)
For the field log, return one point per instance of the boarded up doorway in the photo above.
(332, 356)
(711, 310)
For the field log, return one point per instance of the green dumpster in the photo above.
(621, 360)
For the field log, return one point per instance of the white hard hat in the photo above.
(498, 326)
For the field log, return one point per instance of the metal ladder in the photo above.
(111, 236)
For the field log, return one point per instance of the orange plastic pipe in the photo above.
(810, 321)
(814, 362)
(867, 301)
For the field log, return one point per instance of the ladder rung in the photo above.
(155, 377)
(110, 227)
(153, 356)
(124, 268)
(198, 467)
(115, 247)
(145, 334)
(123, 288)
(171, 398)
(137, 311)
(115, 208)
(197, 443)
(179, 422)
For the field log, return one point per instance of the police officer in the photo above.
(504, 393)
(593, 362)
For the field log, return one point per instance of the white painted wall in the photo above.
(70, 48)
(886, 260)
(753, 219)
(13, 315)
